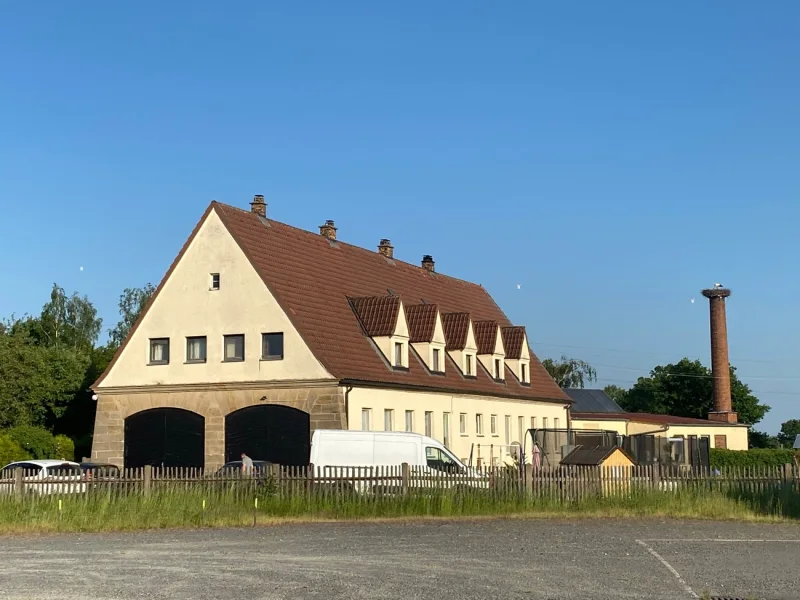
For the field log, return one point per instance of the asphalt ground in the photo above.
(455, 560)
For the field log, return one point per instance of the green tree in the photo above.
(10, 450)
(685, 389)
(616, 393)
(131, 304)
(789, 431)
(570, 372)
(68, 321)
(37, 383)
(760, 439)
(36, 441)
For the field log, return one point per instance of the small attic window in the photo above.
(523, 370)
(398, 354)
(214, 282)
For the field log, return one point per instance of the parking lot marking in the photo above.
(724, 540)
(671, 569)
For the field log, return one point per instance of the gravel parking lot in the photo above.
(439, 560)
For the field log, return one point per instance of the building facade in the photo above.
(260, 333)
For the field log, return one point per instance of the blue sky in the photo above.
(610, 158)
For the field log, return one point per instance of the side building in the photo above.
(260, 333)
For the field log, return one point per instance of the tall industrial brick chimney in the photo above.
(720, 365)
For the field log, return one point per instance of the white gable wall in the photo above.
(187, 307)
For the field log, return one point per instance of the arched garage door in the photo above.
(165, 437)
(271, 432)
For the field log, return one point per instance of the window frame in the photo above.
(498, 367)
(436, 361)
(155, 341)
(195, 338)
(398, 355)
(429, 423)
(446, 424)
(468, 370)
(366, 412)
(523, 371)
(493, 424)
(507, 427)
(462, 424)
(409, 421)
(214, 282)
(264, 337)
(388, 419)
(225, 357)
(479, 424)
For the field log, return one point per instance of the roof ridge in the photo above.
(338, 241)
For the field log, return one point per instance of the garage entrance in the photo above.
(271, 432)
(165, 437)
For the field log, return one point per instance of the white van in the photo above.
(342, 453)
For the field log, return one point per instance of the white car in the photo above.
(44, 477)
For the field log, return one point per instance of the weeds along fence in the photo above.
(558, 485)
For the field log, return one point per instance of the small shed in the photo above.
(598, 456)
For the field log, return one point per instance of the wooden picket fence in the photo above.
(560, 484)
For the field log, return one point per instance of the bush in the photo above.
(36, 441)
(10, 450)
(64, 448)
(757, 457)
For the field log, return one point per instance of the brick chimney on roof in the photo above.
(427, 263)
(720, 366)
(328, 230)
(386, 248)
(258, 206)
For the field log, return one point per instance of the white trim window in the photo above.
(366, 417)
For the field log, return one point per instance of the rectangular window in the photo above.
(508, 430)
(159, 351)
(409, 420)
(462, 423)
(720, 441)
(533, 422)
(234, 347)
(214, 281)
(544, 422)
(446, 429)
(398, 354)
(521, 429)
(479, 424)
(365, 419)
(388, 420)
(272, 346)
(524, 370)
(196, 349)
(468, 364)
(497, 368)
(429, 423)
(556, 423)
(436, 359)
(493, 424)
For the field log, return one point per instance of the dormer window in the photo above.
(436, 365)
(398, 354)
(468, 365)
(523, 370)
(497, 367)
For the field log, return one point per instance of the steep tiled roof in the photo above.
(456, 330)
(378, 314)
(650, 418)
(513, 338)
(485, 336)
(313, 280)
(421, 322)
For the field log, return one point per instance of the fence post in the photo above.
(19, 483)
(405, 475)
(147, 479)
(527, 473)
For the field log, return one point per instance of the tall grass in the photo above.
(246, 505)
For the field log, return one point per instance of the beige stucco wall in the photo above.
(621, 427)
(323, 402)
(379, 400)
(187, 307)
(736, 436)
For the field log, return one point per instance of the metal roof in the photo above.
(592, 401)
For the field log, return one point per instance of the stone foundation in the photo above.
(325, 405)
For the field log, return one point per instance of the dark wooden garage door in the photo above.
(165, 437)
(275, 433)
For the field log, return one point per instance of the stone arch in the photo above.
(164, 437)
(273, 432)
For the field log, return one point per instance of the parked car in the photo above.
(44, 477)
(340, 453)
(92, 470)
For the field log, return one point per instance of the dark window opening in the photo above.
(272, 346)
(215, 281)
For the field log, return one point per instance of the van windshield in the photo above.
(440, 460)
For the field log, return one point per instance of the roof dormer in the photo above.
(491, 352)
(460, 342)
(426, 335)
(383, 319)
(518, 355)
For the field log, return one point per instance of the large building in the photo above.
(260, 333)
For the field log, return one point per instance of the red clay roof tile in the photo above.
(485, 336)
(513, 338)
(421, 322)
(456, 330)
(378, 314)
